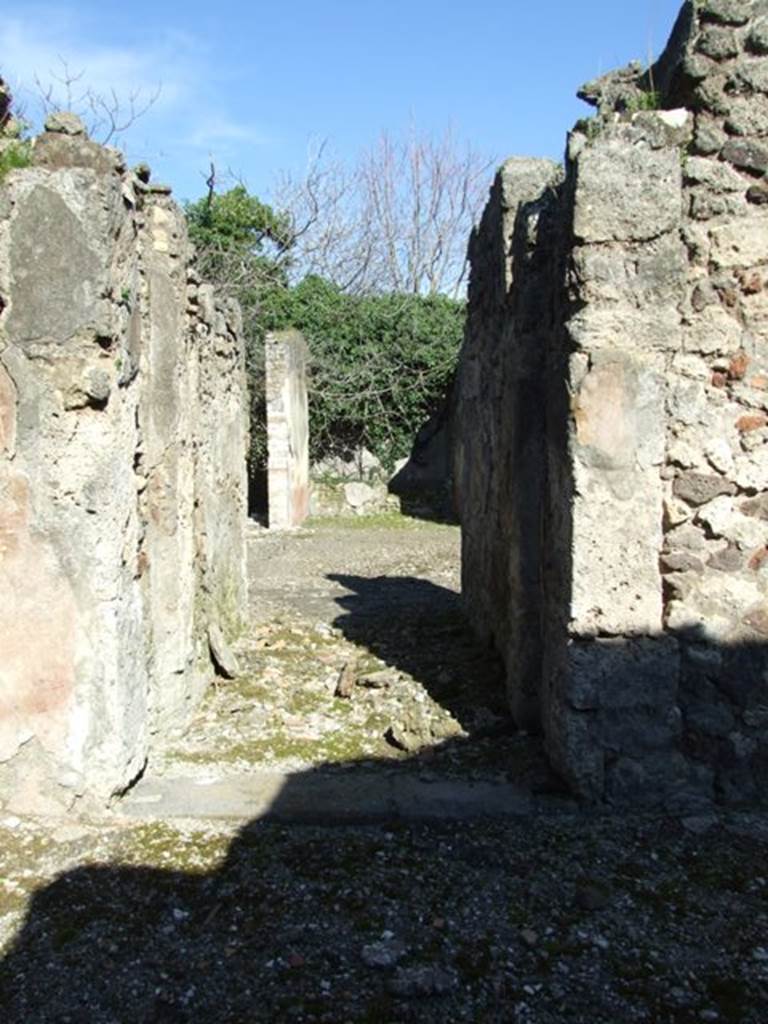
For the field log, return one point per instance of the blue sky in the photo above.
(254, 85)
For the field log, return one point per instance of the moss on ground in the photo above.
(380, 521)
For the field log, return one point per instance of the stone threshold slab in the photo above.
(325, 798)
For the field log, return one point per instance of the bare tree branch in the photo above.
(106, 115)
(396, 221)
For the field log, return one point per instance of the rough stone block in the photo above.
(57, 272)
(757, 40)
(714, 332)
(625, 192)
(729, 12)
(624, 326)
(700, 488)
(748, 116)
(718, 43)
(741, 244)
(714, 174)
(619, 674)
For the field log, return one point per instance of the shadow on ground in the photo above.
(547, 917)
(419, 628)
(552, 918)
(549, 920)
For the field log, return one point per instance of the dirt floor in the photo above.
(357, 655)
(196, 911)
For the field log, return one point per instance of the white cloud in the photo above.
(47, 49)
(213, 130)
(192, 116)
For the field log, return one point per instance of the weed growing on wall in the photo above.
(14, 155)
(647, 100)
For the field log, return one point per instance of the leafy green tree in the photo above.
(380, 364)
(243, 244)
(243, 247)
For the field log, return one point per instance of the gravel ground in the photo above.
(551, 920)
(558, 918)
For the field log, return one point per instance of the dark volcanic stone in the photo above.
(699, 488)
(592, 895)
(758, 194)
(730, 559)
(756, 507)
(681, 561)
(727, 12)
(748, 156)
(757, 41)
(718, 43)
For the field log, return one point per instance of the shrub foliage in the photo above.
(379, 364)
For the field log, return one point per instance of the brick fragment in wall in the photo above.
(738, 366)
(751, 281)
(723, 518)
(751, 421)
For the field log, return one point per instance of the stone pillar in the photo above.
(287, 429)
(610, 676)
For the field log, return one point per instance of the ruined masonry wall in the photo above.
(500, 398)
(122, 473)
(613, 458)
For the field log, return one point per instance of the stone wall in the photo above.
(612, 409)
(122, 473)
(500, 421)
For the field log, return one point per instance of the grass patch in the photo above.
(381, 520)
(161, 846)
(14, 156)
(649, 99)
